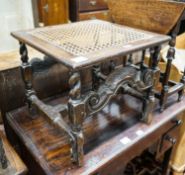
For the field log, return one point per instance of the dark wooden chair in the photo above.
(158, 16)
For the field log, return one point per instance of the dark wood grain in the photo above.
(103, 132)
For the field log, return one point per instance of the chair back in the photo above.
(160, 16)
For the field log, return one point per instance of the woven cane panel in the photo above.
(87, 37)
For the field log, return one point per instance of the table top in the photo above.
(83, 44)
(112, 136)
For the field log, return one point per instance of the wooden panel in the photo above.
(103, 15)
(88, 5)
(54, 11)
(152, 15)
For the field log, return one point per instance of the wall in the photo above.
(14, 15)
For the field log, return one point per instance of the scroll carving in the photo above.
(130, 80)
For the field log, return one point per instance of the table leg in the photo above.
(95, 79)
(142, 59)
(148, 104)
(76, 117)
(26, 70)
(155, 57)
(165, 86)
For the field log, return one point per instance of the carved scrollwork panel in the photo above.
(120, 78)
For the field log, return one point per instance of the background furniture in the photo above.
(50, 12)
(88, 9)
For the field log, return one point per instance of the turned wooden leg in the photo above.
(130, 59)
(76, 117)
(151, 77)
(95, 78)
(165, 88)
(112, 66)
(124, 59)
(98, 76)
(154, 66)
(142, 59)
(26, 70)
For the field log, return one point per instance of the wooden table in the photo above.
(113, 137)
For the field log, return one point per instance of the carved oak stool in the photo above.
(86, 45)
